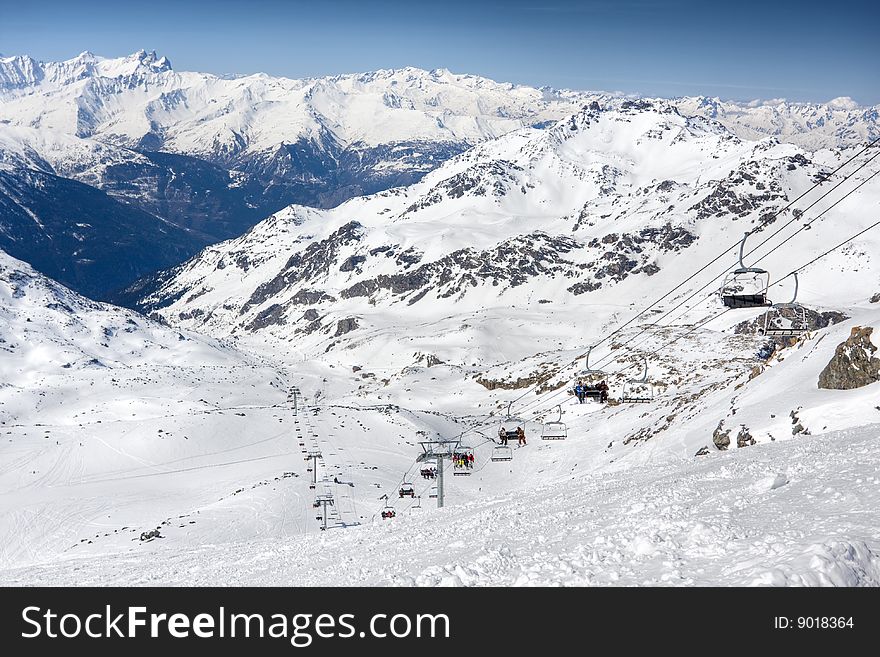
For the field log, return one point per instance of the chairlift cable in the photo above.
(824, 178)
(775, 248)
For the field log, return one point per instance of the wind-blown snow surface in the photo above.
(801, 513)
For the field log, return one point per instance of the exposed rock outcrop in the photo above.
(853, 364)
(720, 437)
(346, 325)
(744, 438)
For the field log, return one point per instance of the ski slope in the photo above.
(220, 473)
(799, 514)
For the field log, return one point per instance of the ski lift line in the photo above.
(829, 251)
(706, 320)
(773, 284)
(823, 179)
(550, 402)
(391, 500)
(801, 229)
(808, 224)
(690, 330)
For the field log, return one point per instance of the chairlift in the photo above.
(462, 462)
(595, 392)
(556, 429)
(790, 320)
(745, 287)
(388, 513)
(509, 428)
(407, 490)
(418, 505)
(502, 453)
(638, 390)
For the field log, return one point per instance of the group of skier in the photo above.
(429, 473)
(600, 390)
(463, 460)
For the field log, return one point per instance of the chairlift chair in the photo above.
(502, 453)
(593, 392)
(509, 427)
(790, 320)
(638, 390)
(745, 287)
(460, 462)
(555, 429)
(407, 490)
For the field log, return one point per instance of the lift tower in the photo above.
(323, 501)
(439, 450)
(313, 455)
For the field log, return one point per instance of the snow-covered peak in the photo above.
(140, 61)
(128, 99)
(19, 71)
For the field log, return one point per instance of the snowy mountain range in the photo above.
(208, 156)
(602, 205)
(455, 247)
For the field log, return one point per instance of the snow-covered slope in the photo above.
(113, 425)
(605, 209)
(796, 509)
(89, 392)
(789, 514)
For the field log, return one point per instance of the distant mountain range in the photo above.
(146, 165)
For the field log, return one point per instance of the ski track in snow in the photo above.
(793, 513)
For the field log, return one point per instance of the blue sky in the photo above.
(800, 50)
